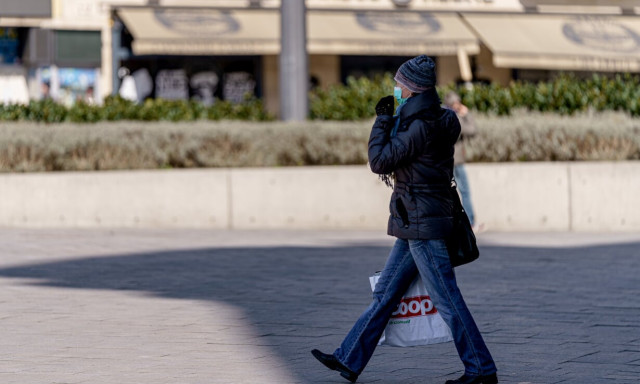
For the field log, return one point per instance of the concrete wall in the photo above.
(318, 197)
(521, 196)
(189, 198)
(576, 196)
(507, 197)
(605, 196)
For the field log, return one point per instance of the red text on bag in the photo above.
(414, 306)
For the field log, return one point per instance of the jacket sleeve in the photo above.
(386, 154)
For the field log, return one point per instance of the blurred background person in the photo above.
(468, 129)
(89, 96)
(45, 90)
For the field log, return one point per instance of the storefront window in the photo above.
(68, 85)
(76, 84)
(9, 46)
(198, 78)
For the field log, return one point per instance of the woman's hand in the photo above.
(385, 106)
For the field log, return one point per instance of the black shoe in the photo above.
(332, 363)
(464, 379)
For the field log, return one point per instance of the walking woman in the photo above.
(414, 150)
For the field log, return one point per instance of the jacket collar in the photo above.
(427, 100)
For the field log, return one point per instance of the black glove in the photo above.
(385, 106)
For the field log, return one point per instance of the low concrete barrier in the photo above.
(189, 198)
(506, 197)
(605, 196)
(310, 197)
(521, 196)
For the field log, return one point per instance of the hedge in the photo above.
(117, 108)
(31, 147)
(533, 136)
(356, 99)
(565, 95)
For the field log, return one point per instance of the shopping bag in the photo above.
(416, 321)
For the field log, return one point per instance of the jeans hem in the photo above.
(364, 326)
(483, 373)
(454, 308)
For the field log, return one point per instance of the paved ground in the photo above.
(172, 307)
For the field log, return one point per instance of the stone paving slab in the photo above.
(193, 306)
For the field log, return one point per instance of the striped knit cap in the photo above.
(417, 74)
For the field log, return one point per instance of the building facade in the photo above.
(207, 49)
(50, 49)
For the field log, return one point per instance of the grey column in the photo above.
(116, 49)
(294, 71)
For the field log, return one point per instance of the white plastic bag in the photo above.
(416, 320)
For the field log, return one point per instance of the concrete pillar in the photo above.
(294, 71)
(116, 31)
(106, 82)
(271, 84)
(465, 67)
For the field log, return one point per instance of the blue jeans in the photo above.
(460, 175)
(406, 260)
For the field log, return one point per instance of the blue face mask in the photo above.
(397, 93)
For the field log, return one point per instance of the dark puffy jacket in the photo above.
(421, 157)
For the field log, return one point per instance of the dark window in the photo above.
(9, 42)
(78, 48)
(39, 47)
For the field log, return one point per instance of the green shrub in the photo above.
(354, 101)
(116, 108)
(524, 136)
(85, 113)
(250, 110)
(45, 111)
(566, 94)
(12, 112)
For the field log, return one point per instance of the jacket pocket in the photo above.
(402, 208)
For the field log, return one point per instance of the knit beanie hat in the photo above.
(417, 74)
